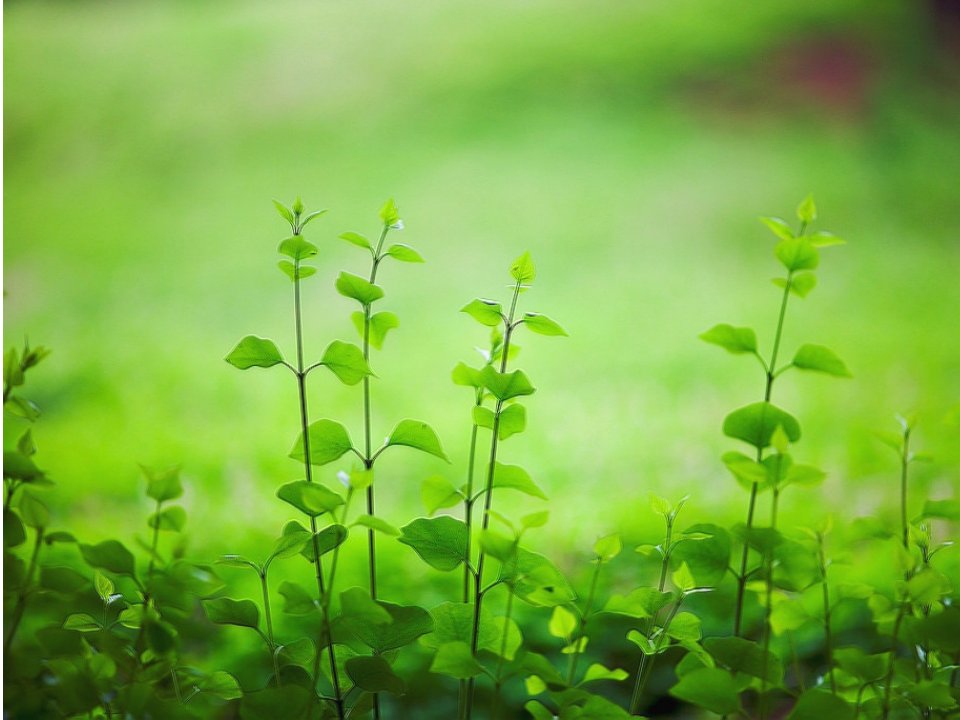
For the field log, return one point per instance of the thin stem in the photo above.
(468, 503)
(640, 682)
(271, 642)
(368, 447)
(797, 669)
(308, 472)
(893, 658)
(498, 680)
(648, 668)
(744, 558)
(21, 605)
(575, 655)
(768, 606)
(488, 500)
(904, 466)
(827, 630)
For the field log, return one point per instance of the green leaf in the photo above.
(710, 688)
(356, 239)
(817, 704)
(682, 578)
(19, 467)
(171, 518)
(562, 623)
(483, 417)
(800, 284)
(746, 656)
(380, 324)
(163, 485)
(709, 557)
(14, 533)
(109, 555)
(291, 542)
(754, 424)
(356, 604)
(536, 580)
(607, 548)
(328, 442)
(797, 254)
(943, 509)
(542, 325)
(297, 600)
(103, 585)
(294, 272)
(297, 248)
(409, 623)
(418, 435)
(328, 539)
(354, 286)
(33, 511)
(455, 660)
(467, 376)
(685, 627)
(346, 362)
(496, 545)
(485, 312)
(225, 611)
(404, 253)
(807, 210)
(436, 493)
(309, 498)
(600, 672)
(513, 420)
(253, 351)
(522, 269)
(284, 211)
(222, 685)
(778, 227)
(505, 386)
(390, 213)
(375, 523)
(737, 340)
(825, 239)
(81, 622)
(441, 541)
(374, 674)
(745, 469)
(868, 668)
(516, 478)
(820, 359)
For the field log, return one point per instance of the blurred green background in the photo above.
(629, 146)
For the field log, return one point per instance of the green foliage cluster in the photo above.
(117, 635)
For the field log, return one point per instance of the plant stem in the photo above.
(498, 681)
(21, 605)
(488, 500)
(648, 667)
(767, 392)
(468, 503)
(827, 631)
(640, 682)
(768, 605)
(271, 642)
(308, 472)
(893, 657)
(575, 655)
(904, 465)
(368, 446)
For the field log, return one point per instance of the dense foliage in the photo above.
(93, 630)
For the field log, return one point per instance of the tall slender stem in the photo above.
(885, 713)
(827, 630)
(768, 604)
(21, 605)
(468, 503)
(488, 499)
(767, 392)
(575, 655)
(648, 667)
(271, 642)
(640, 682)
(498, 679)
(904, 467)
(308, 471)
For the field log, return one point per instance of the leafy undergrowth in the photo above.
(759, 619)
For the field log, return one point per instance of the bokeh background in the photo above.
(630, 146)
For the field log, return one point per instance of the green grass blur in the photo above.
(628, 146)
